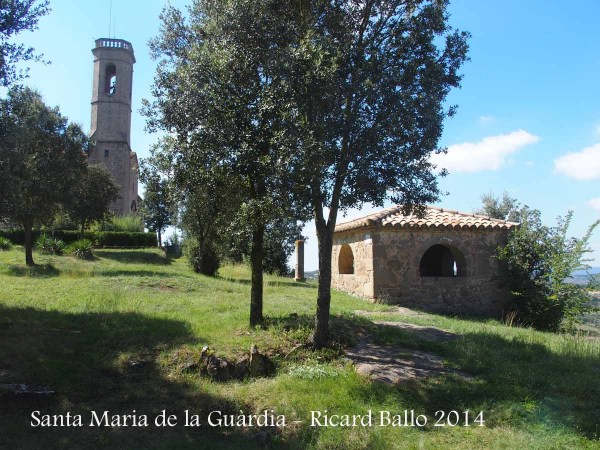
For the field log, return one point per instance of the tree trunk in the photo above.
(28, 227)
(256, 261)
(159, 239)
(324, 293)
(82, 229)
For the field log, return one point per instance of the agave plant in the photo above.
(50, 246)
(81, 249)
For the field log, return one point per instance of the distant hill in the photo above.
(311, 275)
(583, 276)
(592, 271)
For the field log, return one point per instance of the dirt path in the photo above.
(394, 364)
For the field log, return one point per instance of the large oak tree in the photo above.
(218, 93)
(41, 159)
(370, 81)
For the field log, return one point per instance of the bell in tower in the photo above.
(110, 131)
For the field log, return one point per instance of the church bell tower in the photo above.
(110, 130)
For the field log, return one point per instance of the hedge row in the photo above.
(99, 238)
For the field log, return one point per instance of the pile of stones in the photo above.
(254, 364)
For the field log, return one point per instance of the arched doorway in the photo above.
(346, 260)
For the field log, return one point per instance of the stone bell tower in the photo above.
(111, 119)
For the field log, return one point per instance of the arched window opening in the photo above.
(110, 79)
(442, 261)
(134, 206)
(346, 260)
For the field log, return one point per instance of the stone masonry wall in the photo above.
(361, 282)
(116, 158)
(395, 256)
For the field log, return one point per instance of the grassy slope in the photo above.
(113, 334)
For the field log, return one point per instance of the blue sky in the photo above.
(528, 120)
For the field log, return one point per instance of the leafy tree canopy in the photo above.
(539, 261)
(505, 208)
(92, 196)
(157, 207)
(218, 90)
(369, 80)
(17, 16)
(41, 158)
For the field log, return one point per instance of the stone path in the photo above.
(393, 364)
(396, 310)
(431, 334)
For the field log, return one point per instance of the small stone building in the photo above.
(442, 262)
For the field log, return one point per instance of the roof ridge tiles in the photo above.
(434, 216)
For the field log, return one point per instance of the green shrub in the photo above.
(50, 245)
(538, 263)
(70, 236)
(125, 239)
(127, 224)
(44, 244)
(5, 244)
(98, 238)
(203, 260)
(81, 249)
(17, 237)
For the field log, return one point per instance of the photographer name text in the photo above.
(266, 418)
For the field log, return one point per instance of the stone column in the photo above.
(300, 261)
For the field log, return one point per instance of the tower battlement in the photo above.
(115, 43)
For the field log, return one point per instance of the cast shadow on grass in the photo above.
(134, 273)
(102, 362)
(136, 257)
(291, 283)
(246, 281)
(516, 381)
(344, 329)
(37, 271)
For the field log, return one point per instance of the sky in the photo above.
(528, 119)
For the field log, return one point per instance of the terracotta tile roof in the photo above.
(434, 218)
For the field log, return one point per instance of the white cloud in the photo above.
(486, 120)
(583, 165)
(488, 154)
(594, 203)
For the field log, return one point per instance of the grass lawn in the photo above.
(115, 334)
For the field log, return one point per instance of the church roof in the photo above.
(433, 218)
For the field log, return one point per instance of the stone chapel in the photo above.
(442, 262)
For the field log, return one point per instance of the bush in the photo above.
(49, 245)
(203, 260)
(98, 238)
(125, 239)
(17, 237)
(538, 262)
(126, 224)
(5, 244)
(81, 249)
